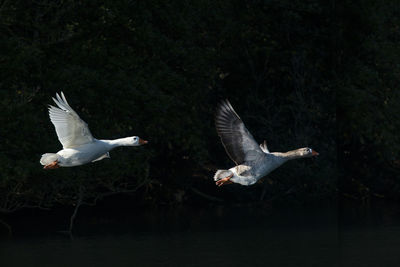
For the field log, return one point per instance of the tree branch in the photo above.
(204, 195)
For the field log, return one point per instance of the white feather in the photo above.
(71, 130)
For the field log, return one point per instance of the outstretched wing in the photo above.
(71, 130)
(264, 147)
(237, 140)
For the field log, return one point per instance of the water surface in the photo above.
(218, 236)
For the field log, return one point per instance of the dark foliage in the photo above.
(368, 100)
(157, 69)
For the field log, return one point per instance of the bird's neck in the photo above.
(285, 156)
(118, 142)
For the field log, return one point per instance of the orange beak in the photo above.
(314, 153)
(142, 142)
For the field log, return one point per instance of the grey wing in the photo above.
(71, 130)
(238, 142)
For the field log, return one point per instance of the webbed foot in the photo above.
(224, 181)
(53, 165)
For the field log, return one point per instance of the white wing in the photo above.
(264, 147)
(71, 130)
(105, 156)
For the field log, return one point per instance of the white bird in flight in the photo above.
(79, 146)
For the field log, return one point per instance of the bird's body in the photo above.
(83, 154)
(253, 161)
(249, 174)
(79, 146)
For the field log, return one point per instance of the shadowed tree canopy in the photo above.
(157, 69)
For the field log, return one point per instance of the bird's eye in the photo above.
(135, 138)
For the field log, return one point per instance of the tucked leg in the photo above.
(53, 165)
(224, 181)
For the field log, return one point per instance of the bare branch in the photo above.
(204, 195)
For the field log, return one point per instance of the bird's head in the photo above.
(308, 152)
(137, 141)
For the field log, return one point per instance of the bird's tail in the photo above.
(220, 174)
(48, 158)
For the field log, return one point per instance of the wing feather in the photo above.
(238, 142)
(71, 130)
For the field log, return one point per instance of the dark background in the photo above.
(299, 73)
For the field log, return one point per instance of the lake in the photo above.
(219, 236)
